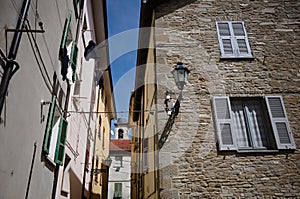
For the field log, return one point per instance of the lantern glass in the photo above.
(180, 74)
(108, 161)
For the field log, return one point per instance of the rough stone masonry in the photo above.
(191, 164)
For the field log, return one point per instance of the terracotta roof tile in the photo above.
(120, 145)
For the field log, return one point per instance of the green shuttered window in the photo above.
(61, 141)
(252, 124)
(64, 39)
(48, 132)
(55, 138)
(233, 40)
(118, 191)
(68, 51)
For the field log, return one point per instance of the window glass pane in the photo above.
(238, 29)
(227, 46)
(240, 124)
(250, 123)
(224, 29)
(256, 123)
(118, 191)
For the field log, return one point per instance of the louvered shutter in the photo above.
(241, 40)
(64, 38)
(48, 131)
(280, 125)
(223, 123)
(61, 141)
(225, 39)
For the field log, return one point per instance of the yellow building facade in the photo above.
(143, 115)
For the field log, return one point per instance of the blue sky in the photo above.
(123, 18)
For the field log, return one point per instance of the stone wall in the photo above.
(191, 165)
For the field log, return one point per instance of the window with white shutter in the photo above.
(280, 123)
(233, 40)
(223, 119)
(245, 124)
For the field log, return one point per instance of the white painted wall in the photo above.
(121, 176)
(23, 129)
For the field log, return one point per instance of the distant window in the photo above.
(97, 174)
(233, 40)
(252, 124)
(68, 52)
(119, 161)
(78, 81)
(145, 154)
(103, 138)
(118, 191)
(120, 133)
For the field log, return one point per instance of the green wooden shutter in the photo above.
(241, 40)
(48, 131)
(118, 190)
(76, 8)
(64, 38)
(224, 124)
(281, 128)
(225, 39)
(61, 141)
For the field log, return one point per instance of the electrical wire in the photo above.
(48, 51)
(15, 7)
(39, 54)
(59, 17)
(38, 63)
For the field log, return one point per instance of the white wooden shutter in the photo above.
(242, 46)
(233, 40)
(223, 123)
(281, 128)
(225, 39)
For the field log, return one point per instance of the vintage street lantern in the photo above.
(180, 74)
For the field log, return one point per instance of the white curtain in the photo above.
(249, 124)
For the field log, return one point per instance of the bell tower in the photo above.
(121, 129)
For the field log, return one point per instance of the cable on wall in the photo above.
(39, 59)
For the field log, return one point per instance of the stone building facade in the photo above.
(193, 163)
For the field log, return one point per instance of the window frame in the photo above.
(222, 116)
(68, 51)
(234, 40)
(117, 190)
(59, 149)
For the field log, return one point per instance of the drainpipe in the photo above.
(9, 68)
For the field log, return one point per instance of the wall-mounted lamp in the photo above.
(180, 74)
(107, 162)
